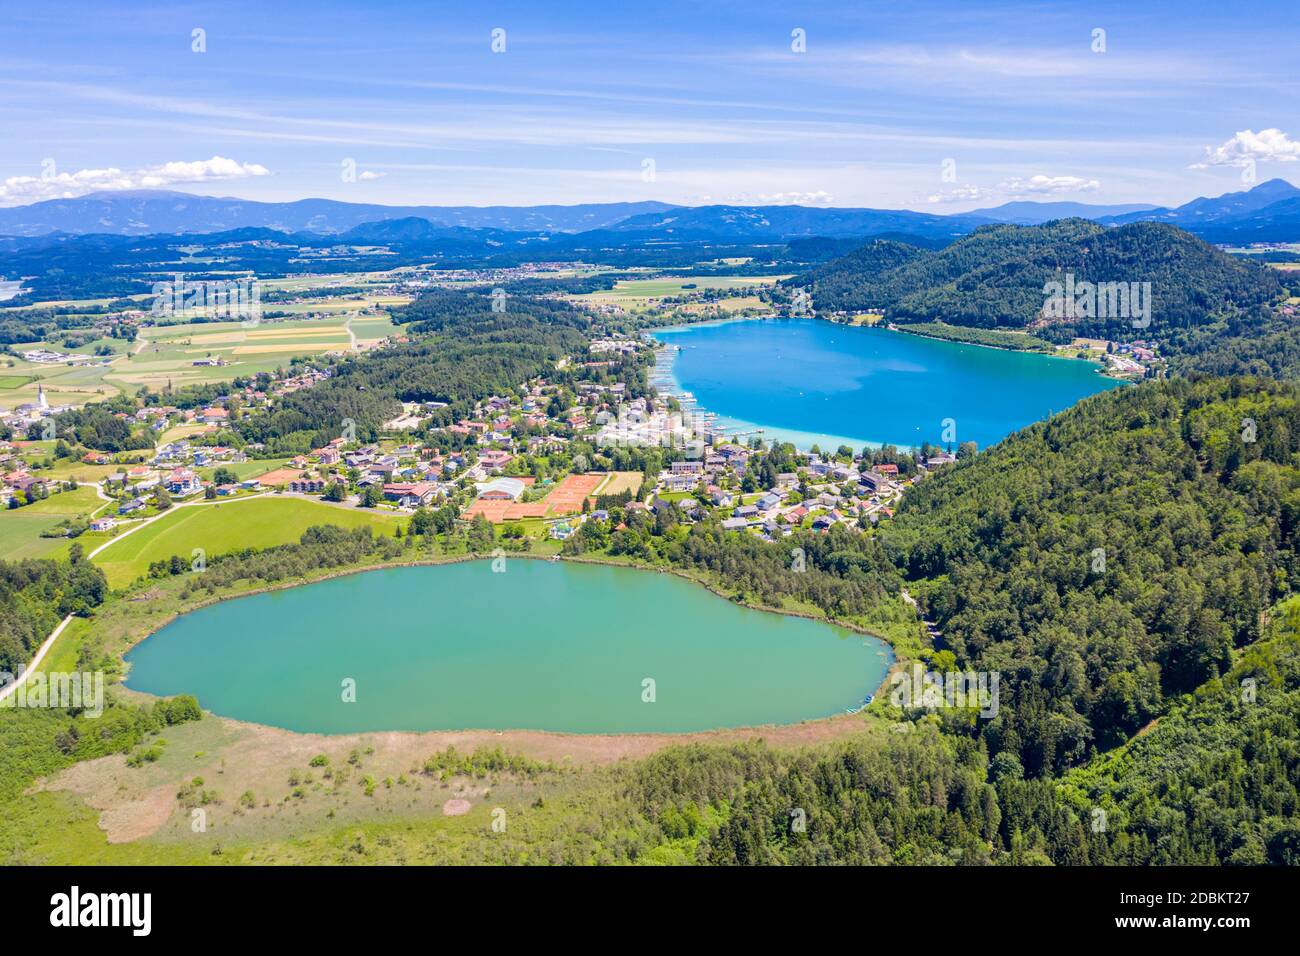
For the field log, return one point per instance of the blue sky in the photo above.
(933, 106)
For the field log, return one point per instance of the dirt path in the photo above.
(41, 651)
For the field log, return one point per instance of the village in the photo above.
(536, 464)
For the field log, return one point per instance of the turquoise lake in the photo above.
(808, 381)
(540, 646)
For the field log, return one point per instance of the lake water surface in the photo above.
(808, 381)
(541, 646)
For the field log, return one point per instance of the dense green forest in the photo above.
(36, 595)
(1215, 781)
(861, 280)
(1110, 558)
(996, 277)
(1258, 342)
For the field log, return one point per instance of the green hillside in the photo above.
(996, 276)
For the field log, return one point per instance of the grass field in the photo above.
(20, 528)
(245, 469)
(229, 526)
(620, 481)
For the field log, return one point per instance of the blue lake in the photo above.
(543, 646)
(807, 381)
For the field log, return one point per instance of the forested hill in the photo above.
(855, 282)
(1115, 566)
(1111, 558)
(996, 275)
(462, 352)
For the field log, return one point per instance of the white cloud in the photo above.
(368, 175)
(1049, 185)
(52, 184)
(1247, 147)
(817, 197)
(961, 194)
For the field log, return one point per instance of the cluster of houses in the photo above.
(17, 483)
(409, 475)
(821, 494)
(1131, 358)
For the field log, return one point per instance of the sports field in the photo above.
(565, 499)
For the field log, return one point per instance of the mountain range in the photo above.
(145, 212)
(1268, 212)
(1028, 213)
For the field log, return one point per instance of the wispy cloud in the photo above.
(963, 193)
(1049, 185)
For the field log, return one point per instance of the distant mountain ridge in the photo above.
(147, 212)
(1228, 206)
(1029, 213)
(1268, 212)
(776, 223)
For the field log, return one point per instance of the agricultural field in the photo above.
(638, 293)
(165, 354)
(222, 527)
(730, 304)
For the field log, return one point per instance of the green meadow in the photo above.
(222, 527)
(20, 528)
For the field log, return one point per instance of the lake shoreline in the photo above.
(832, 391)
(138, 635)
(1100, 370)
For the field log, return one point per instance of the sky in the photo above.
(935, 106)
